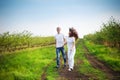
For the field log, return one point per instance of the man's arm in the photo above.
(65, 42)
(55, 40)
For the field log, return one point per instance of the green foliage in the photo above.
(27, 64)
(109, 34)
(16, 41)
(109, 55)
(85, 67)
(42, 41)
(51, 72)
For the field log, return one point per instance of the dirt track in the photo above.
(64, 74)
(75, 75)
(71, 75)
(111, 75)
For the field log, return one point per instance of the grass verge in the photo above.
(111, 56)
(85, 67)
(27, 64)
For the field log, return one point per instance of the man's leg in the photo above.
(63, 55)
(58, 57)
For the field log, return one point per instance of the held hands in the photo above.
(71, 49)
(64, 44)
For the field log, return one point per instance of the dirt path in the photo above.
(43, 76)
(76, 75)
(71, 75)
(111, 75)
(64, 74)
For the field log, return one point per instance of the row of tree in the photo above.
(17, 41)
(109, 34)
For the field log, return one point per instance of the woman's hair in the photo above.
(73, 33)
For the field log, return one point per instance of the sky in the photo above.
(41, 17)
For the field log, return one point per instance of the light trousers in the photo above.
(71, 55)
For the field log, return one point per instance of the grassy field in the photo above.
(27, 64)
(85, 67)
(10, 42)
(39, 63)
(111, 56)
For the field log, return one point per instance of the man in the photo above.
(60, 40)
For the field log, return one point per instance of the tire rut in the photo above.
(44, 76)
(71, 75)
(111, 75)
(64, 74)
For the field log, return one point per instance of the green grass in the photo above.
(27, 64)
(30, 64)
(51, 72)
(110, 56)
(85, 67)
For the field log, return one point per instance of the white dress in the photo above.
(71, 53)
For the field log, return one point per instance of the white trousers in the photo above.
(71, 55)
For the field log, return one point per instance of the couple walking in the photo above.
(61, 40)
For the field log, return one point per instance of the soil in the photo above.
(64, 74)
(111, 75)
(71, 75)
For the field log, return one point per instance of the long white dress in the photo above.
(71, 51)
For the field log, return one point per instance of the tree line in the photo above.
(16, 41)
(109, 34)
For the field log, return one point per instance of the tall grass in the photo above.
(27, 64)
(109, 55)
(85, 67)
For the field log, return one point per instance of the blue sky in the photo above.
(41, 17)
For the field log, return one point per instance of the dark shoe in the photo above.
(64, 66)
(71, 69)
(57, 67)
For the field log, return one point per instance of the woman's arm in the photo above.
(65, 42)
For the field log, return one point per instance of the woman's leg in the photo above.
(68, 58)
(72, 59)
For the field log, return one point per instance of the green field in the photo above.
(35, 64)
(85, 67)
(111, 56)
(27, 64)
(27, 57)
(10, 42)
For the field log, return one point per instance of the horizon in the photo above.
(41, 17)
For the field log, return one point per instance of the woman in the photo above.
(73, 36)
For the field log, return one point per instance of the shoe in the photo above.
(57, 67)
(69, 69)
(64, 66)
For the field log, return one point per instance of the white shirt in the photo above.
(70, 41)
(59, 40)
